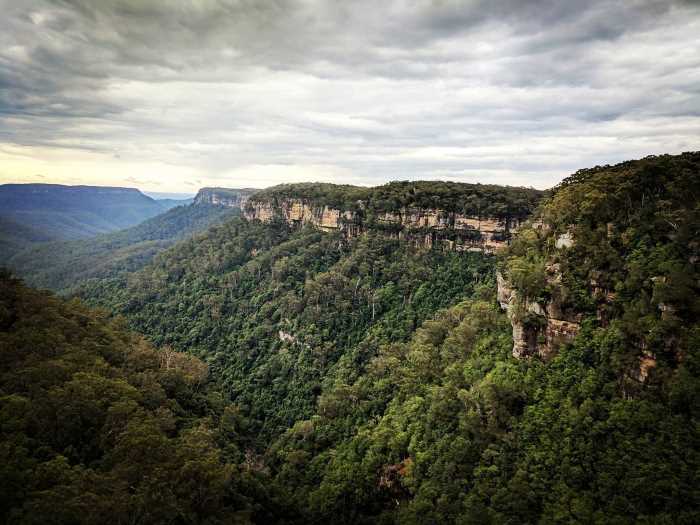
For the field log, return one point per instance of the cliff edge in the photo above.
(454, 216)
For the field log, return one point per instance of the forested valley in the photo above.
(64, 265)
(272, 371)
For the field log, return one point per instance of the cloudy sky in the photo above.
(172, 96)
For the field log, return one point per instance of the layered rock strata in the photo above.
(228, 198)
(421, 226)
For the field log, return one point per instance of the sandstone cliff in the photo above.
(422, 226)
(226, 197)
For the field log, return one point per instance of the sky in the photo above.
(173, 96)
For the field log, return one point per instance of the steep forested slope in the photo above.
(618, 246)
(63, 265)
(450, 428)
(14, 237)
(278, 311)
(98, 427)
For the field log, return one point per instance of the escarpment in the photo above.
(421, 226)
(225, 197)
(543, 323)
(468, 221)
(615, 250)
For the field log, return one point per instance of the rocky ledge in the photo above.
(421, 226)
(226, 197)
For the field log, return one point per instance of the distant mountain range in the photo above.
(46, 231)
(77, 212)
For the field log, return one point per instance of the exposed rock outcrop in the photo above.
(565, 240)
(296, 211)
(647, 362)
(286, 337)
(421, 226)
(537, 329)
(226, 197)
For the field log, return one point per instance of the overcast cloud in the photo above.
(171, 96)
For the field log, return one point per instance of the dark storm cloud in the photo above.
(524, 91)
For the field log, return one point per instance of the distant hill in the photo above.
(76, 212)
(60, 265)
(171, 203)
(160, 195)
(15, 236)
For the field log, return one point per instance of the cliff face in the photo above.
(539, 328)
(226, 197)
(422, 226)
(297, 212)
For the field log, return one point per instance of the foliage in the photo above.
(97, 426)
(450, 429)
(480, 200)
(277, 312)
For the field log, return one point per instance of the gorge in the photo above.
(324, 354)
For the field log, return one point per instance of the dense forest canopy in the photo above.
(275, 309)
(481, 200)
(100, 427)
